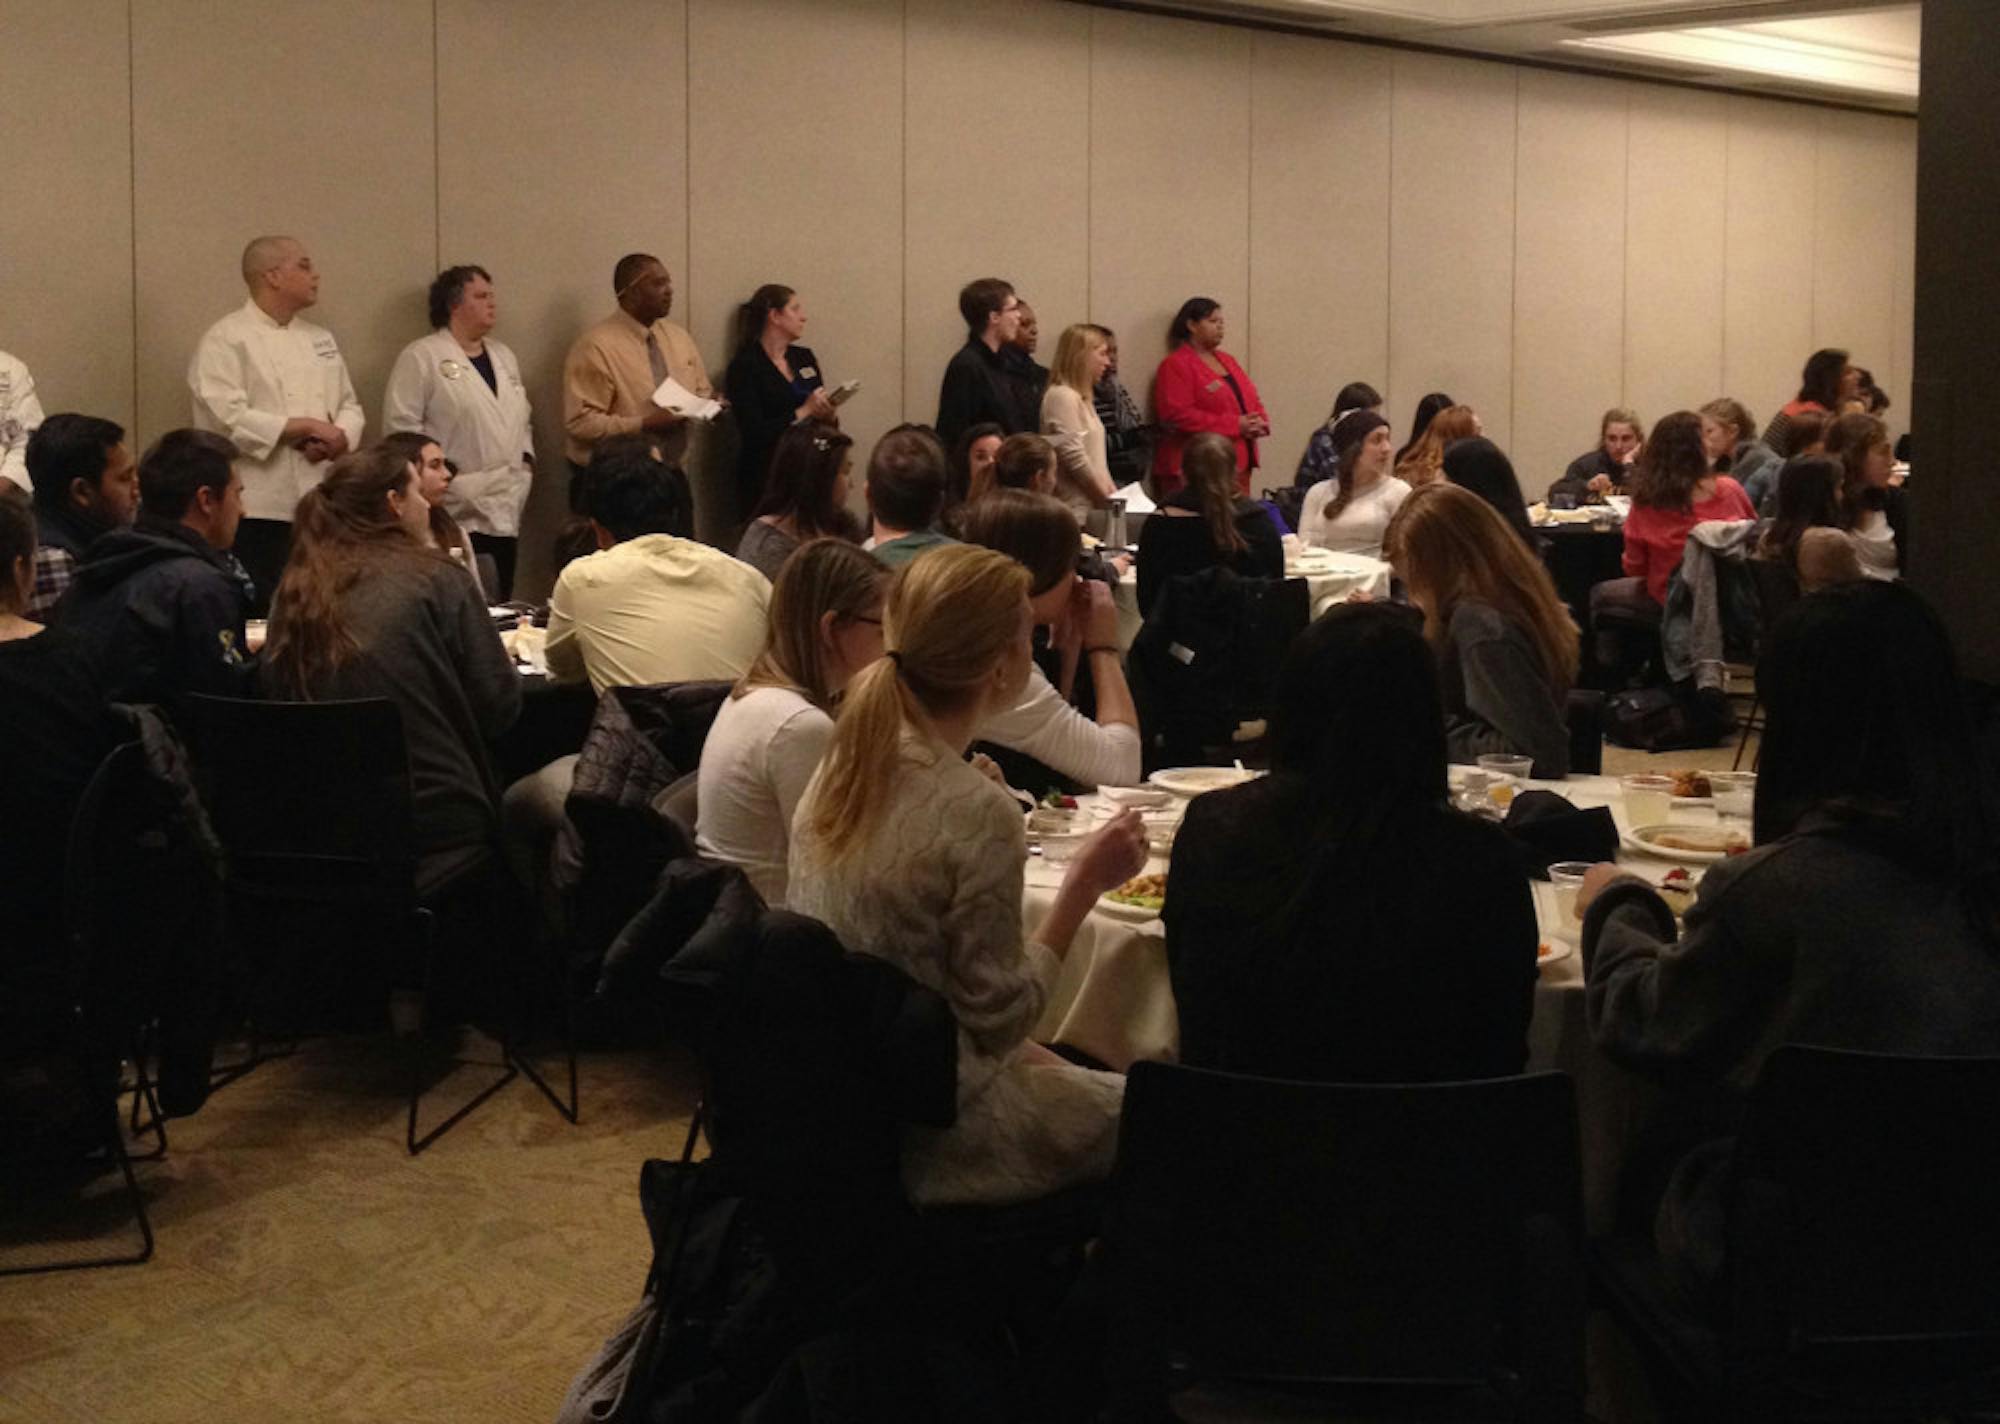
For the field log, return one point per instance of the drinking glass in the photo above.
(1648, 799)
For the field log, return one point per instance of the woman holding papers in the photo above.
(772, 382)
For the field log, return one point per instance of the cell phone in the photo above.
(840, 393)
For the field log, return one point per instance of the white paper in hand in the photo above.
(674, 396)
(1136, 500)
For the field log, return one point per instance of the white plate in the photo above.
(1194, 780)
(1141, 796)
(1560, 948)
(1118, 910)
(1640, 838)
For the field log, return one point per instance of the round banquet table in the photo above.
(1114, 998)
(1330, 577)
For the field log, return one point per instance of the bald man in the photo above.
(276, 386)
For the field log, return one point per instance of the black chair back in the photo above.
(1208, 656)
(311, 798)
(1287, 1232)
(1583, 711)
(1864, 1241)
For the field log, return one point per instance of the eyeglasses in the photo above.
(858, 618)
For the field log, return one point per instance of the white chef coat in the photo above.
(20, 413)
(249, 376)
(434, 388)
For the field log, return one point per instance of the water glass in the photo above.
(1735, 792)
(1648, 799)
(1567, 878)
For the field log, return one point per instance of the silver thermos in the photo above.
(1114, 527)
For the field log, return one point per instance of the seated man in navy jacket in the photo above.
(160, 607)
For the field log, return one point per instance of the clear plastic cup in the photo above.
(1648, 799)
(1567, 878)
(1735, 792)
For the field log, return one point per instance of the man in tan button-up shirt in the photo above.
(616, 365)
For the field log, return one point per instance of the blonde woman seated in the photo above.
(826, 625)
(1351, 512)
(1507, 649)
(1423, 463)
(908, 853)
(1071, 423)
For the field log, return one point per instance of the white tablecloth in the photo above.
(1115, 1000)
(1330, 578)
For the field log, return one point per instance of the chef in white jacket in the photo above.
(463, 389)
(276, 385)
(20, 413)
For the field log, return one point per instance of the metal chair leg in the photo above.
(114, 1142)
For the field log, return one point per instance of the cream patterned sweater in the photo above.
(936, 890)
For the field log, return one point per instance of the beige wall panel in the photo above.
(1569, 270)
(250, 118)
(66, 236)
(1862, 161)
(1451, 238)
(1006, 194)
(1675, 213)
(1319, 231)
(1901, 200)
(550, 192)
(807, 191)
(1768, 257)
(1169, 181)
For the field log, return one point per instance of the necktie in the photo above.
(654, 359)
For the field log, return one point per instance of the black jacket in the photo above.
(979, 386)
(159, 613)
(766, 404)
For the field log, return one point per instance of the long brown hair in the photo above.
(445, 532)
(1849, 439)
(1424, 463)
(822, 576)
(1448, 544)
(1208, 464)
(1671, 463)
(950, 617)
(342, 531)
(1349, 435)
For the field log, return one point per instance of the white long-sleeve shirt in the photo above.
(435, 389)
(20, 413)
(248, 377)
(1061, 738)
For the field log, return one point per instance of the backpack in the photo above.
(1665, 719)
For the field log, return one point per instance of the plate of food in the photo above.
(1699, 845)
(1194, 780)
(1677, 888)
(1140, 898)
(1692, 786)
(1554, 950)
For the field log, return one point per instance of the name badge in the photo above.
(325, 348)
(1213, 386)
(807, 373)
(451, 370)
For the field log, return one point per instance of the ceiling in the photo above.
(1846, 51)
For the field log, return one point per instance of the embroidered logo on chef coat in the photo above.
(325, 348)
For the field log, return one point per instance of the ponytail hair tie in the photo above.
(895, 656)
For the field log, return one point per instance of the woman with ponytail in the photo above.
(909, 853)
(1351, 512)
(1205, 524)
(772, 382)
(366, 608)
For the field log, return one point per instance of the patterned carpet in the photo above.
(309, 1270)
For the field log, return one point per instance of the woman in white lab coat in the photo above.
(464, 390)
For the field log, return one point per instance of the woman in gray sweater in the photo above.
(1507, 648)
(366, 609)
(1867, 917)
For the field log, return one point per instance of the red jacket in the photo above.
(1189, 398)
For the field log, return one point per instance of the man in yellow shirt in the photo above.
(652, 605)
(615, 366)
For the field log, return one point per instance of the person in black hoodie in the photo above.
(85, 485)
(159, 608)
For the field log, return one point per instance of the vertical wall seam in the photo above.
(437, 150)
(1389, 247)
(1514, 287)
(1089, 172)
(1250, 200)
(1625, 269)
(1728, 154)
(687, 143)
(903, 285)
(132, 196)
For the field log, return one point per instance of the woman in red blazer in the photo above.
(1200, 388)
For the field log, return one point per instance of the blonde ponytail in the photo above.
(950, 617)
